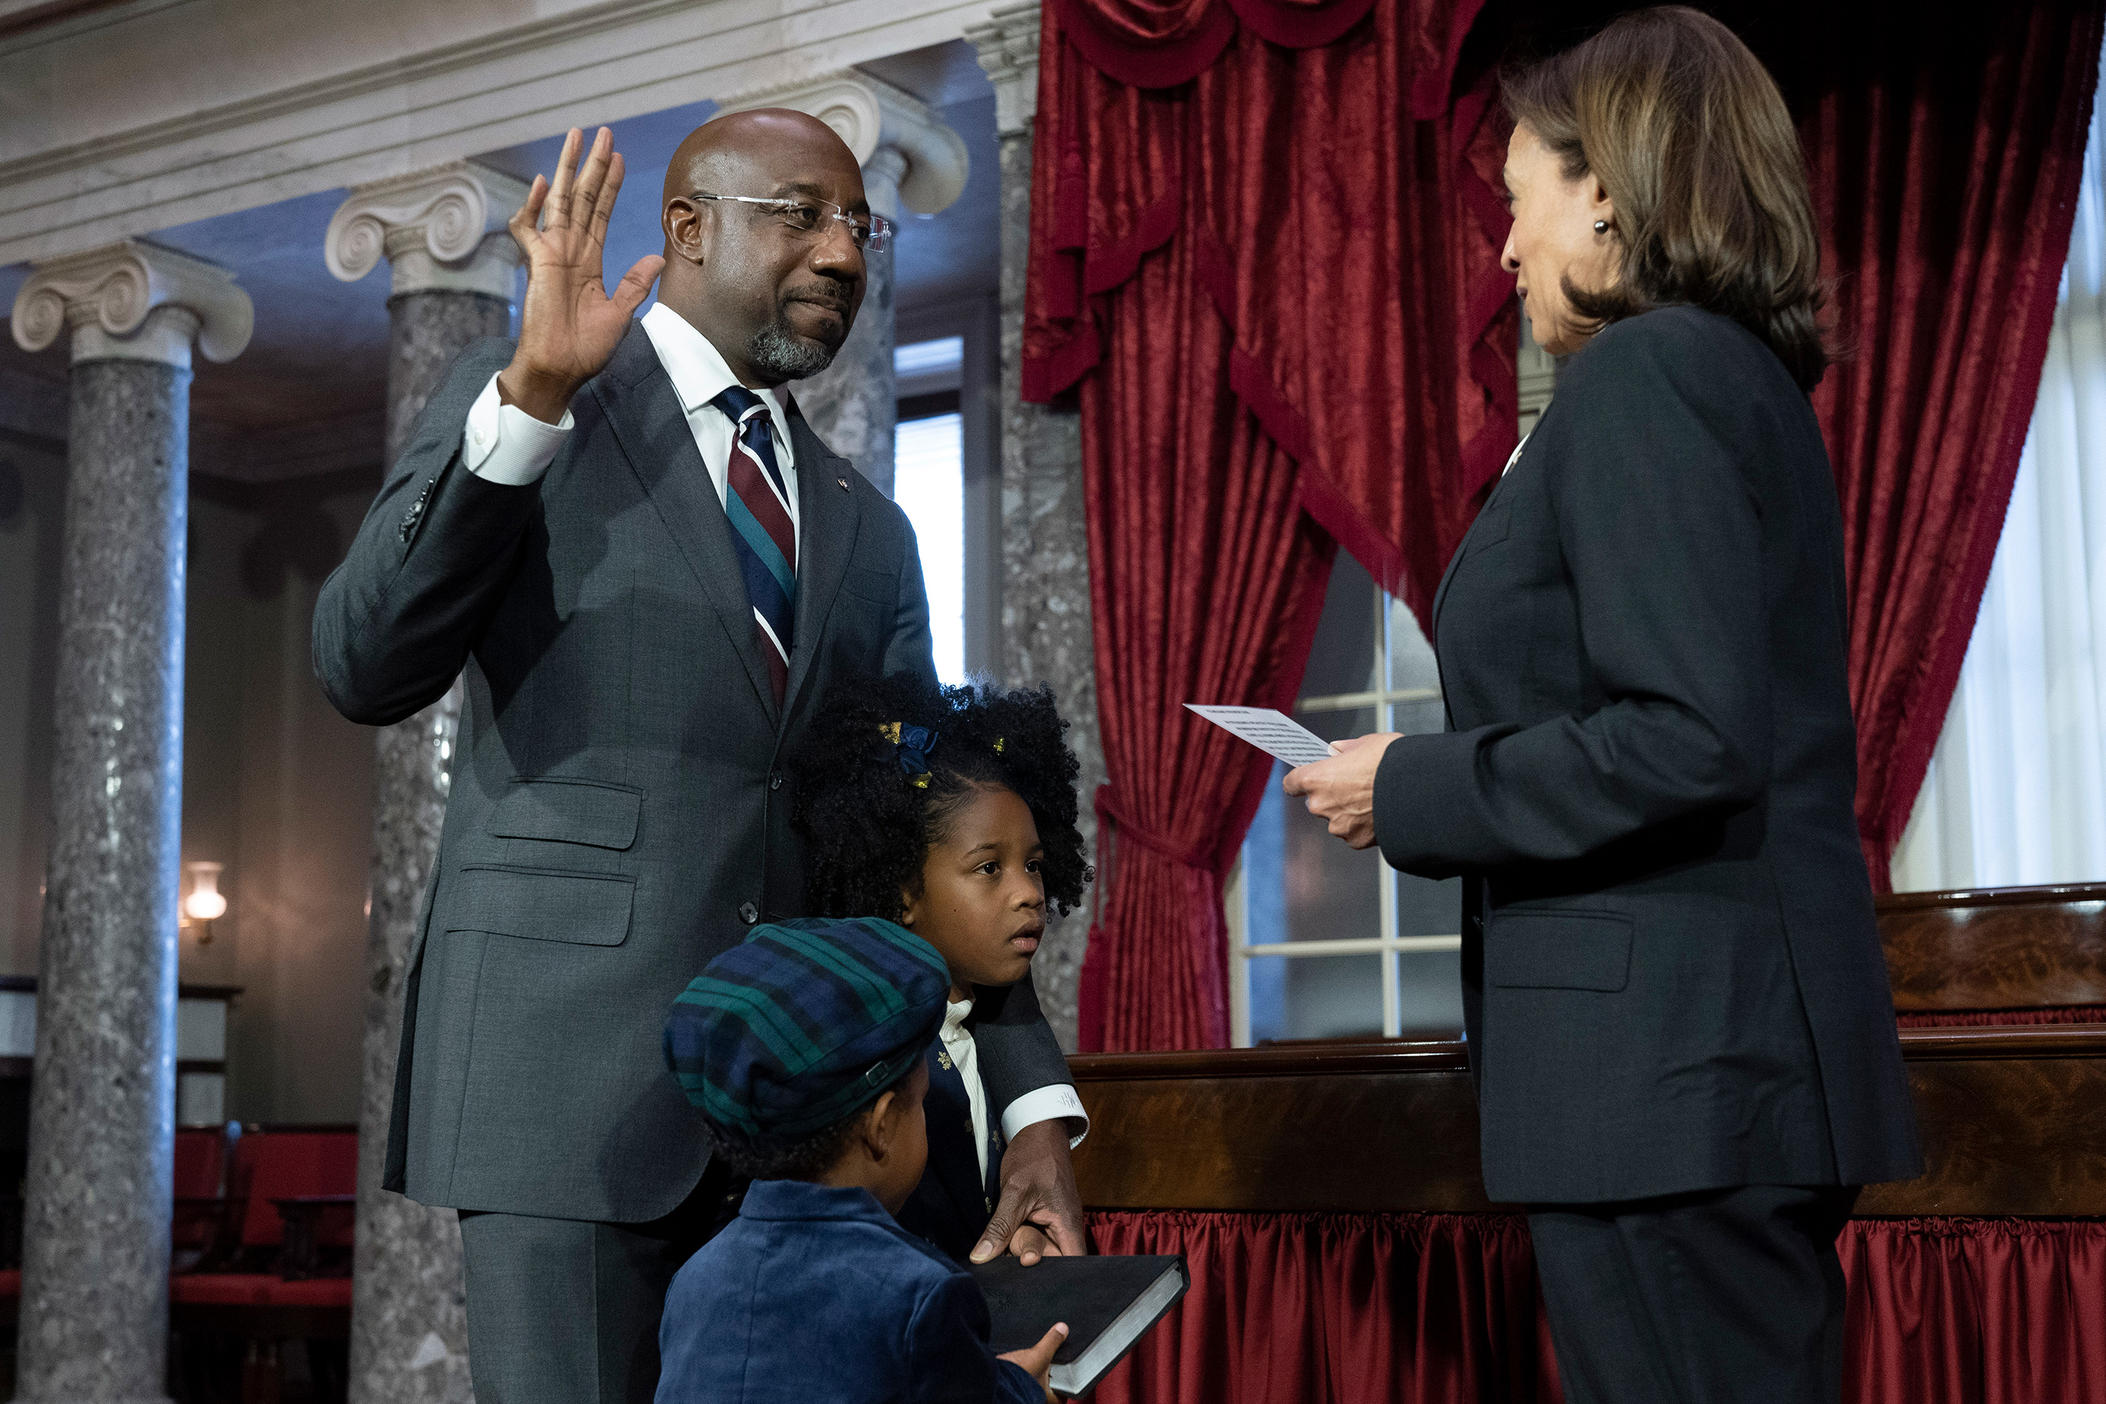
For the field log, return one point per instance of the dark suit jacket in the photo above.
(952, 1204)
(1672, 976)
(619, 812)
(815, 1294)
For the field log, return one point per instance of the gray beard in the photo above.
(775, 351)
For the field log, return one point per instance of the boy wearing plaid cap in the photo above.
(804, 1049)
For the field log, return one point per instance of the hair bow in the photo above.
(914, 744)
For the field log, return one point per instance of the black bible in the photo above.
(1108, 1303)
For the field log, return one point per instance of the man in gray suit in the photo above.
(649, 569)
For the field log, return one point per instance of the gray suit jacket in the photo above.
(619, 811)
(1672, 979)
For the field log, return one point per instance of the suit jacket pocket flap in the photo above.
(587, 909)
(569, 811)
(1559, 950)
(872, 585)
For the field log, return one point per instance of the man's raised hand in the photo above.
(570, 324)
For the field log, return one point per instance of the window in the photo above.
(1326, 942)
(1330, 943)
(928, 482)
(2016, 792)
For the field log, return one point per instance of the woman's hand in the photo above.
(1037, 1362)
(1341, 791)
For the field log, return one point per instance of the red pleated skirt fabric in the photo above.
(1443, 1309)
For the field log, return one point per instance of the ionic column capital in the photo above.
(873, 116)
(1008, 49)
(439, 229)
(132, 301)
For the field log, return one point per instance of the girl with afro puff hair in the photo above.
(950, 810)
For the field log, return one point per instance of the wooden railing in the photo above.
(2013, 1116)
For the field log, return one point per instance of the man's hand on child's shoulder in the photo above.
(1037, 1362)
(1038, 1197)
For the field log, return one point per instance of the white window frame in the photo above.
(1537, 376)
(978, 321)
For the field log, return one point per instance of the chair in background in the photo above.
(286, 1278)
(201, 1230)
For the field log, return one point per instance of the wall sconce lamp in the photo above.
(206, 903)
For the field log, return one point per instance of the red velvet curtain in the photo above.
(1280, 306)
(1945, 157)
(1343, 207)
(1205, 581)
(1360, 1308)
(1338, 1309)
(1976, 1311)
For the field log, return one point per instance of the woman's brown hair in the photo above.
(1688, 135)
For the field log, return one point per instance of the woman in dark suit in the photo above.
(1679, 1020)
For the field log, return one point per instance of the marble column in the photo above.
(453, 273)
(911, 162)
(94, 1315)
(1046, 634)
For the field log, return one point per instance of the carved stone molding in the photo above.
(442, 228)
(136, 302)
(243, 114)
(1008, 49)
(871, 115)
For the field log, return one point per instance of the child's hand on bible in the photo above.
(1037, 1362)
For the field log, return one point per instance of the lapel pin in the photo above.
(843, 483)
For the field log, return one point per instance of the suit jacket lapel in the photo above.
(828, 519)
(651, 427)
(1462, 548)
(1440, 596)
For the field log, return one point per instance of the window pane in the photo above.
(1340, 725)
(1429, 993)
(1315, 997)
(1413, 718)
(1301, 884)
(1411, 661)
(1344, 657)
(1426, 907)
(922, 366)
(929, 485)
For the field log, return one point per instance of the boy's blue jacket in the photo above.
(813, 1295)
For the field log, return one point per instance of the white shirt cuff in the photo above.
(1056, 1103)
(504, 444)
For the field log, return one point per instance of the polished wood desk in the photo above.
(2013, 1115)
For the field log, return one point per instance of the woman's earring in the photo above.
(1601, 226)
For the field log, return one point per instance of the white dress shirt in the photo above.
(1515, 456)
(1045, 1104)
(505, 444)
(958, 1042)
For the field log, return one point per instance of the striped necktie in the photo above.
(758, 504)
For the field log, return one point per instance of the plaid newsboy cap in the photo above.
(805, 1023)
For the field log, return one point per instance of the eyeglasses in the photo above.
(811, 218)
